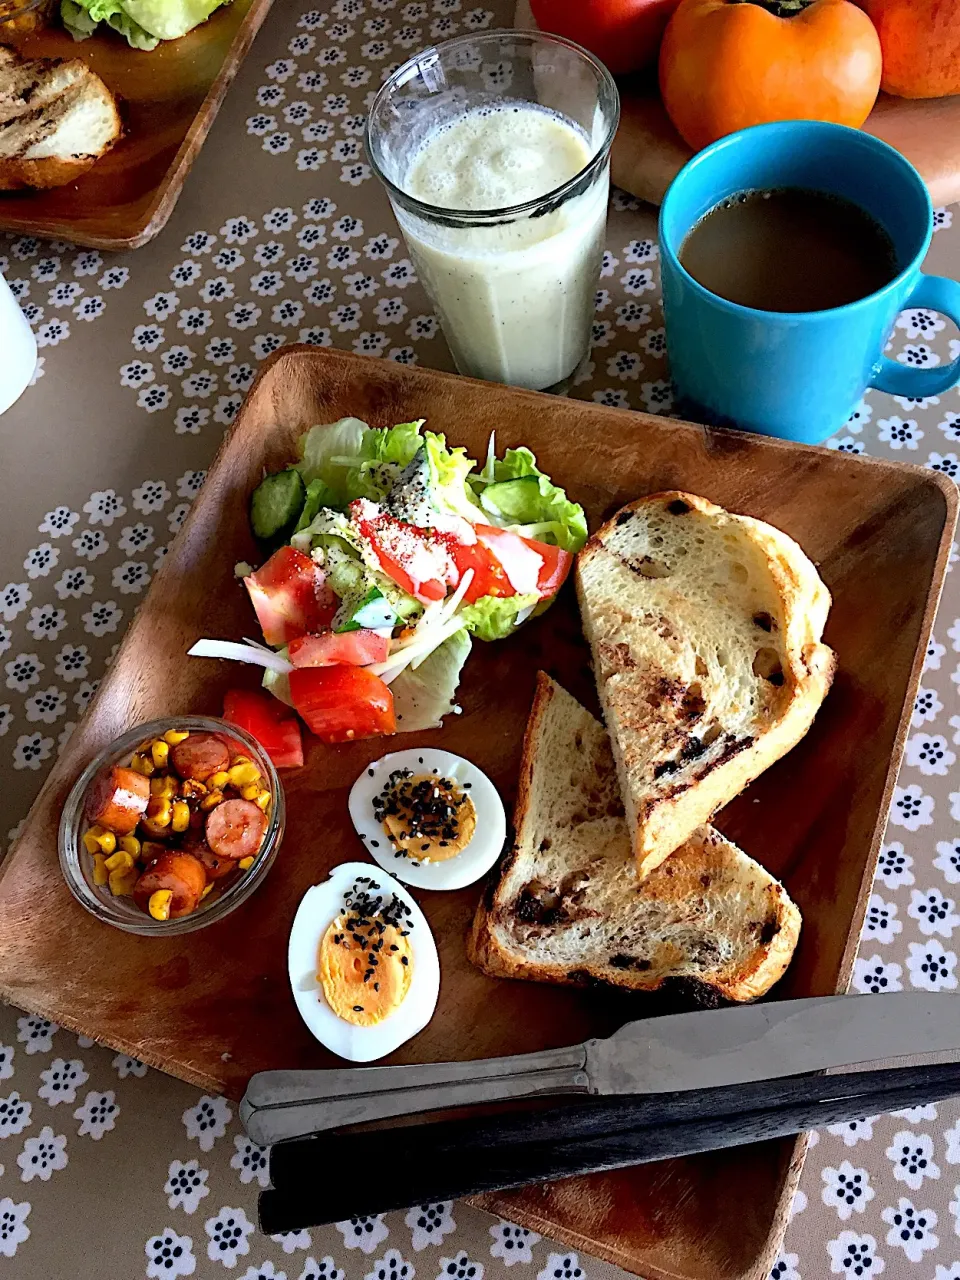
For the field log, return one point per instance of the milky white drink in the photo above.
(515, 300)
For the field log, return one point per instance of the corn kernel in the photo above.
(191, 789)
(107, 842)
(163, 785)
(131, 845)
(91, 839)
(159, 904)
(159, 753)
(100, 873)
(121, 883)
(119, 861)
(219, 780)
(243, 775)
(211, 800)
(245, 864)
(262, 799)
(250, 792)
(143, 764)
(181, 815)
(173, 737)
(240, 759)
(208, 889)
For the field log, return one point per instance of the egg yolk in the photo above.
(428, 818)
(364, 981)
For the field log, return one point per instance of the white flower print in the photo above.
(632, 316)
(43, 1155)
(195, 320)
(177, 516)
(512, 1244)
(460, 1268)
(169, 1255)
(915, 1114)
(926, 707)
(6, 636)
(561, 1266)
(238, 230)
(198, 242)
(131, 577)
(899, 433)
(342, 256)
(36, 1033)
(228, 1232)
(423, 327)
(920, 323)
(265, 1271)
(127, 1066)
(135, 537)
(217, 289)
(23, 671)
(152, 495)
(657, 396)
(164, 304)
(207, 1121)
(931, 967)
(315, 337)
(785, 1267)
(911, 1155)
(291, 1241)
(243, 315)
(370, 344)
(912, 808)
(104, 506)
(845, 444)
(186, 273)
(6, 1061)
(946, 463)
(935, 652)
(929, 754)
(6, 719)
(14, 598)
(360, 285)
(53, 332)
(325, 1269)
(390, 310)
(31, 750)
(189, 419)
(881, 924)
(65, 734)
(870, 973)
(893, 866)
(220, 350)
(59, 522)
(200, 385)
(855, 1255)
(186, 1185)
(950, 426)
(40, 560)
(46, 622)
(260, 124)
(613, 398)
(391, 1266)
(916, 402)
(87, 263)
(84, 694)
(266, 284)
(228, 260)
(918, 355)
(911, 1229)
(363, 1233)
(854, 1131)
(846, 1189)
(952, 1272)
(90, 308)
(98, 1114)
(147, 337)
(623, 365)
(288, 312)
(177, 359)
(399, 274)
(90, 544)
(947, 860)
(250, 1160)
(14, 1115)
(115, 278)
(102, 618)
(46, 706)
(13, 1226)
(934, 913)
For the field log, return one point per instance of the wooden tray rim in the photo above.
(68, 765)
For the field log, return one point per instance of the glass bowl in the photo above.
(122, 912)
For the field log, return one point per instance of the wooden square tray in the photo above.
(169, 98)
(214, 1007)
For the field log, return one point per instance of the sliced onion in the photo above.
(256, 656)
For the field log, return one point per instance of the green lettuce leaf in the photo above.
(449, 469)
(495, 617)
(357, 461)
(421, 698)
(144, 23)
(523, 499)
(319, 494)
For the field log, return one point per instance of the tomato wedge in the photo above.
(356, 648)
(290, 596)
(342, 703)
(488, 578)
(269, 721)
(405, 554)
(556, 566)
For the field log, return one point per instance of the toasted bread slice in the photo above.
(56, 120)
(705, 629)
(710, 924)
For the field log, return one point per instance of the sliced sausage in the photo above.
(200, 756)
(117, 799)
(235, 829)
(181, 873)
(214, 865)
(151, 850)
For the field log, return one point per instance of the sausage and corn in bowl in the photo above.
(172, 826)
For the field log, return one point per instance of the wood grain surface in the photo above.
(168, 97)
(214, 1006)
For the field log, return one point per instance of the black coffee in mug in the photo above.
(789, 250)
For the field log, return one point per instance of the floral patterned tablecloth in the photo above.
(282, 234)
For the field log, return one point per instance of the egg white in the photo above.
(319, 906)
(464, 868)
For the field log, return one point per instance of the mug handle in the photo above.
(938, 293)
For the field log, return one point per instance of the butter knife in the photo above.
(670, 1054)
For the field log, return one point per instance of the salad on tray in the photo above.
(389, 551)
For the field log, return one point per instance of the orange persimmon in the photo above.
(921, 46)
(727, 64)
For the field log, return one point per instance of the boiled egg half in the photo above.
(363, 964)
(431, 818)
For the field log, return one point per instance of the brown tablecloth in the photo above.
(110, 1170)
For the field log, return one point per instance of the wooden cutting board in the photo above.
(215, 1006)
(648, 152)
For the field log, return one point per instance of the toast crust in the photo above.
(658, 706)
(707, 880)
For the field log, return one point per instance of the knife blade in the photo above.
(672, 1054)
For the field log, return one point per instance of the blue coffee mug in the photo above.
(798, 375)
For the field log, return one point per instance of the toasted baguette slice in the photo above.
(705, 629)
(710, 924)
(56, 120)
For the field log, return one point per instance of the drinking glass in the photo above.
(514, 287)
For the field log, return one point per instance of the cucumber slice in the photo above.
(373, 611)
(276, 504)
(512, 500)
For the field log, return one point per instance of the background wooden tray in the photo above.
(213, 1007)
(648, 153)
(169, 99)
